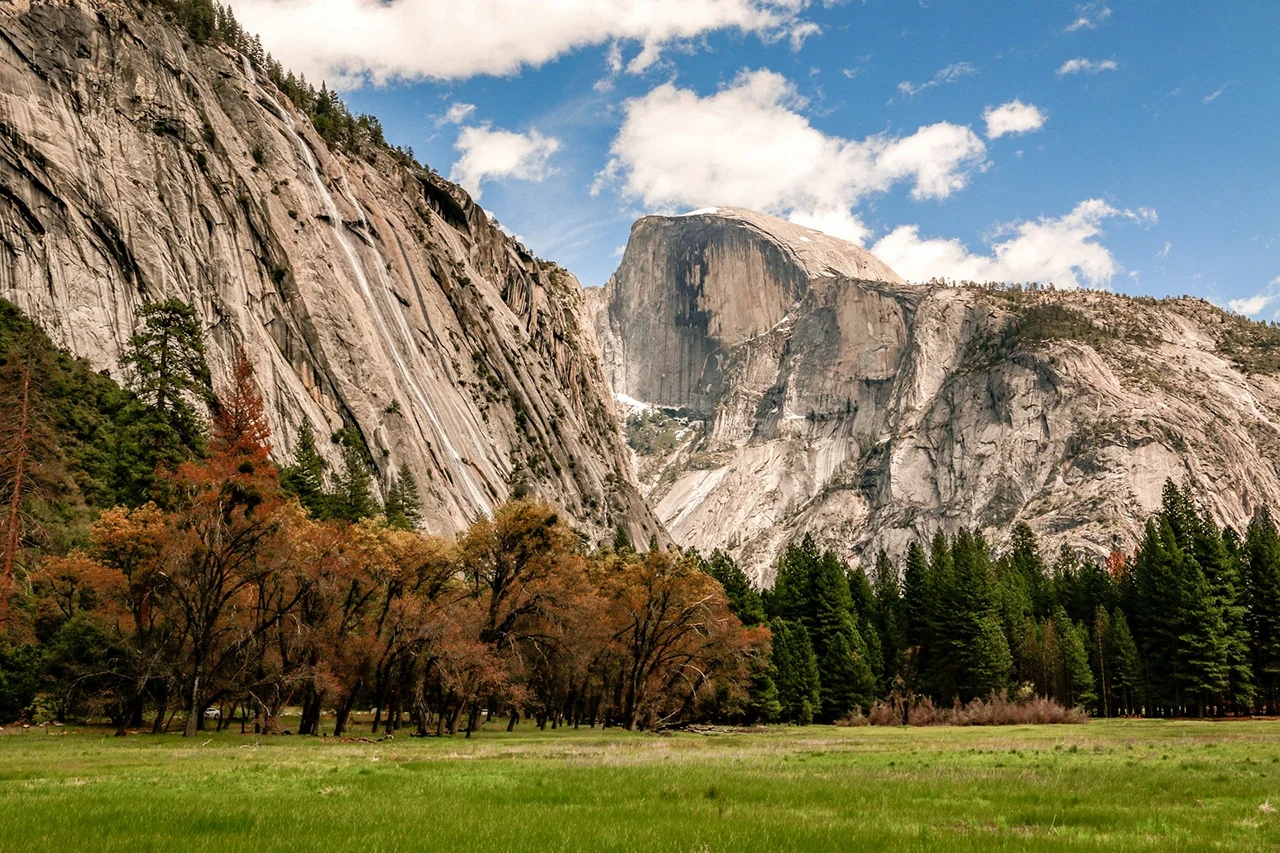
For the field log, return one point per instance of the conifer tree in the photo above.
(166, 365)
(888, 618)
(1025, 559)
(1262, 565)
(305, 477)
(622, 541)
(795, 671)
(845, 679)
(352, 499)
(1126, 665)
(864, 610)
(744, 600)
(1100, 659)
(403, 506)
(916, 601)
(1074, 678)
(763, 703)
(1226, 590)
(990, 662)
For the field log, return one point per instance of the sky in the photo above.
(1130, 145)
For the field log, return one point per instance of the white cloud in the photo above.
(457, 113)
(840, 223)
(950, 74)
(494, 154)
(1217, 93)
(1013, 117)
(1086, 66)
(1164, 252)
(749, 145)
(351, 41)
(1088, 16)
(802, 31)
(1256, 304)
(1063, 250)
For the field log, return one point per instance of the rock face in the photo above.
(818, 393)
(135, 165)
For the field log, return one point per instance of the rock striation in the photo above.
(803, 387)
(370, 295)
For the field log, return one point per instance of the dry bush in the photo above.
(855, 719)
(886, 713)
(996, 710)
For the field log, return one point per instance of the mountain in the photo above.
(142, 159)
(777, 382)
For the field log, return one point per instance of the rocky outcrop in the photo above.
(804, 398)
(137, 165)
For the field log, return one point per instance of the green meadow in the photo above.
(1106, 785)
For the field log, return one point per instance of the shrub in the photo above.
(996, 710)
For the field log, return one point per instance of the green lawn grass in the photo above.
(1114, 785)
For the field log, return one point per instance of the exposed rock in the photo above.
(871, 412)
(136, 165)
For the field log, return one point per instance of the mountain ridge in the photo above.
(139, 164)
(867, 413)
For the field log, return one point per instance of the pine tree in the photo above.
(622, 541)
(1025, 559)
(1075, 684)
(744, 600)
(352, 498)
(917, 609)
(763, 703)
(1262, 560)
(864, 611)
(1228, 598)
(305, 477)
(1200, 663)
(1126, 665)
(845, 679)
(166, 362)
(888, 618)
(990, 663)
(166, 365)
(1100, 659)
(790, 597)
(403, 507)
(795, 671)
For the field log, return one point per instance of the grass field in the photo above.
(1119, 785)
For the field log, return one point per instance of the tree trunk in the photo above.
(193, 701)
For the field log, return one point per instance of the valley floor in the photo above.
(1106, 785)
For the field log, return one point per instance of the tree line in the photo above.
(1186, 625)
(157, 563)
(206, 577)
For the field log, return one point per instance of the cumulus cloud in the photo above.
(1062, 250)
(950, 74)
(1086, 66)
(1256, 304)
(749, 145)
(1089, 16)
(1013, 117)
(350, 41)
(489, 154)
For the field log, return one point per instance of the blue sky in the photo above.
(1130, 145)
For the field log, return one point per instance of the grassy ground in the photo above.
(1106, 785)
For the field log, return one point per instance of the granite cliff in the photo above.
(777, 381)
(371, 295)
